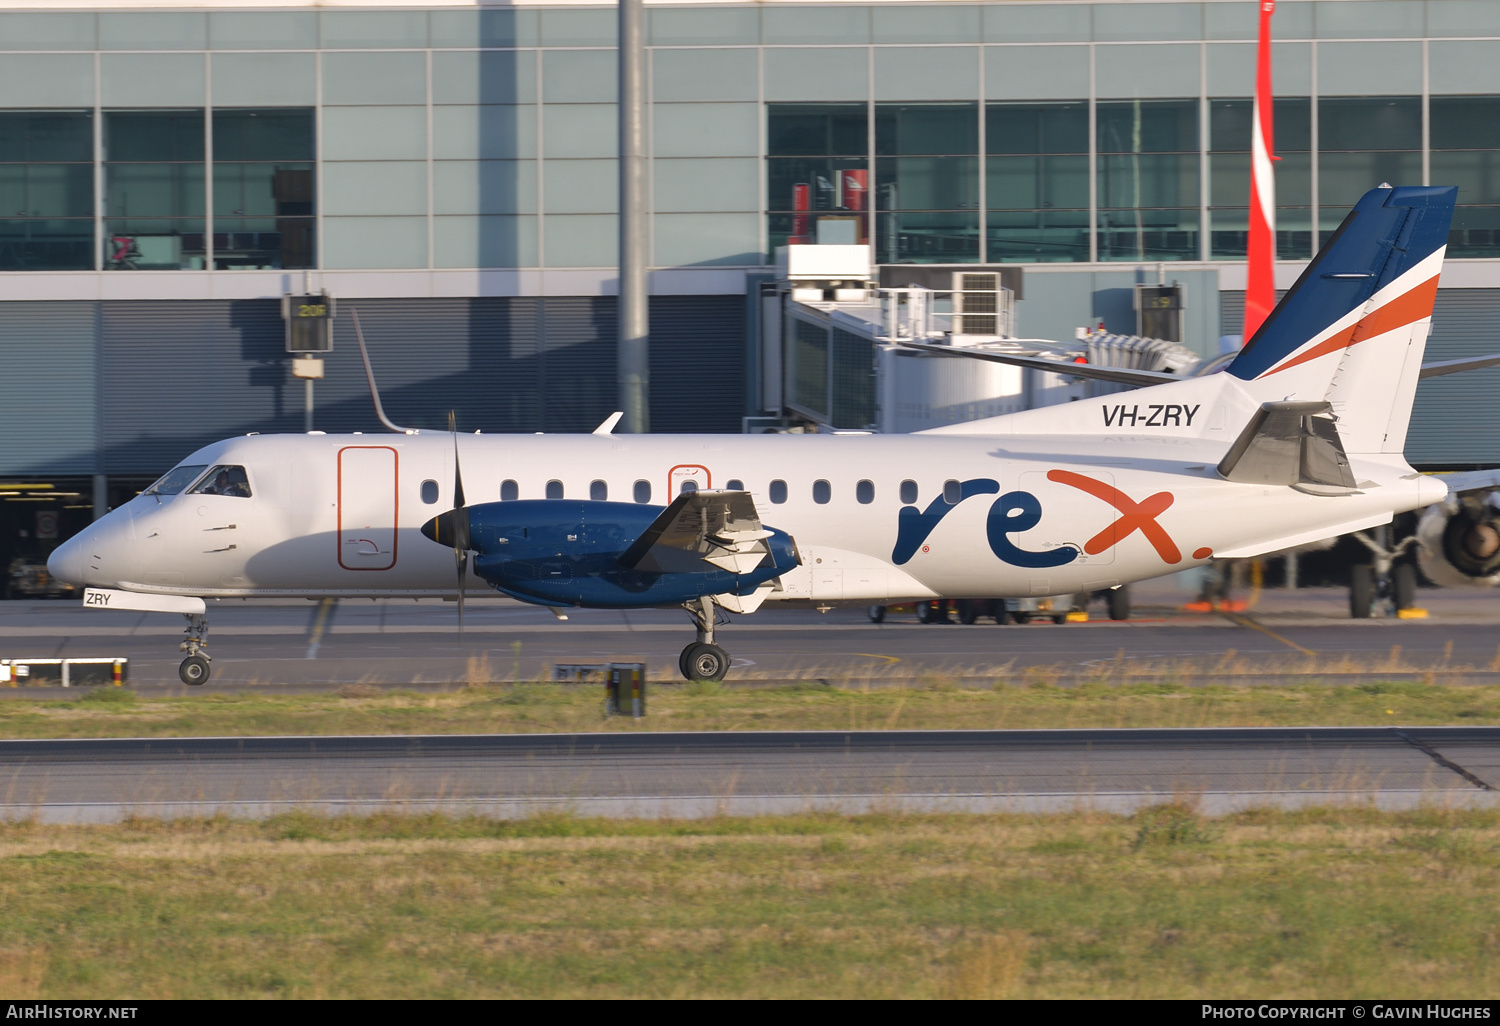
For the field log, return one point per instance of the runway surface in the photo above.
(307, 645)
(685, 775)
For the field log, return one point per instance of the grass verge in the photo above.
(940, 703)
(1318, 903)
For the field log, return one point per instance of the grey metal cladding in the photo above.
(697, 363)
(1453, 420)
(48, 366)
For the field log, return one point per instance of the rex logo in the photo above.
(1018, 511)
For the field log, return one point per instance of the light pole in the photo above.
(633, 354)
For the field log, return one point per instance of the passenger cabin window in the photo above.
(643, 491)
(734, 484)
(598, 491)
(554, 490)
(429, 492)
(953, 492)
(509, 491)
(908, 492)
(225, 480)
(778, 492)
(688, 486)
(822, 492)
(176, 479)
(865, 492)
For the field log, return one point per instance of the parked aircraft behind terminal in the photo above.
(1300, 439)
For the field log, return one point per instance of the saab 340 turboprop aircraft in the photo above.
(1300, 439)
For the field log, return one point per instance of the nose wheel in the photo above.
(703, 660)
(195, 669)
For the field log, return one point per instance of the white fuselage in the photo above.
(340, 515)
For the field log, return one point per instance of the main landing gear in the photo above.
(1388, 581)
(194, 669)
(703, 660)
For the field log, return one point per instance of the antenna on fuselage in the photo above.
(364, 354)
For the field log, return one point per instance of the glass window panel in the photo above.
(822, 492)
(488, 240)
(579, 76)
(642, 491)
(580, 130)
(53, 31)
(578, 27)
(484, 186)
(484, 77)
(927, 183)
(47, 190)
(1464, 123)
(158, 135)
(375, 133)
(1037, 127)
(792, 229)
(804, 24)
(1148, 180)
(1379, 18)
(926, 23)
(1038, 23)
(1148, 21)
(706, 129)
(926, 128)
(685, 185)
(689, 26)
(506, 27)
(154, 190)
(864, 492)
(929, 237)
(580, 186)
(509, 491)
(47, 136)
(147, 80)
(815, 73)
(706, 239)
(375, 79)
(802, 183)
(777, 492)
(362, 30)
(273, 134)
(581, 240)
(1036, 183)
(1037, 236)
(1229, 237)
(153, 244)
(1475, 232)
(1476, 173)
(598, 491)
(554, 489)
(153, 30)
(1344, 177)
(908, 492)
(683, 76)
(490, 131)
(1148, 126)
(1370, 123)
(1229, 179)
(263, 243)
(926, 73)
(384, 242)
(1148, 234)
(47, 80)
(34, 244)
(816, 129)
(375, 187)
(809, 370)
(265, 79)
(263, 30)
(1230, 123)
(263, 190)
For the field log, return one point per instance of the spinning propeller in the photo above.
(452, 527)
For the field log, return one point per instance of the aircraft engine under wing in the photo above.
(1291, 444)
(720, 528)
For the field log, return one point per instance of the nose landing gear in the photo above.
(703, 660)
(195, 669)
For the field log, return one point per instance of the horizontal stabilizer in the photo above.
(1467, 363)
(720, 528)
(1119, 375)
(1291, 444)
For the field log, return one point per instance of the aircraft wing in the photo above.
(717, 527)
(1432, 370)
(1119, 375)
(1471, 481)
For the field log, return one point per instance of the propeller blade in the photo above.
(463, 572)
(459, 523)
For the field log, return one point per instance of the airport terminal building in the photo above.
(169, 171)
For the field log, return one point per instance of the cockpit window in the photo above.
(176, 479)
(225, 480)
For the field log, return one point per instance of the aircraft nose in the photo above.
(70, 560)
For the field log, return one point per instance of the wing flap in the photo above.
(720, 528)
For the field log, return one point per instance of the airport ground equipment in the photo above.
(78, 672)
(625, 690)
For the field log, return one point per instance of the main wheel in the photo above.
(705, 662)
(1361, 590)
(926, 612)
(1119, 603)
(1021, 616)
(1404, 585)
(968, 610)
(877, 614)
(194, 670)
(1059, 618)
(1002, 614)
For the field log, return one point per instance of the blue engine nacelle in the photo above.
(565, 552)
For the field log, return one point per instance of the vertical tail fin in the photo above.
(1353, 328)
